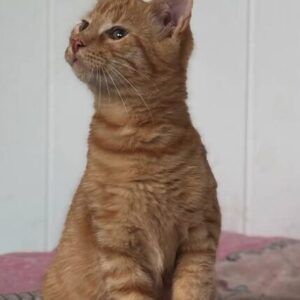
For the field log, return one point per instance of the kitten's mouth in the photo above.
(71, 58)
(75, 60)
(76, 63)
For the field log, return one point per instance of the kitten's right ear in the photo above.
(175, 13)
(181, 12)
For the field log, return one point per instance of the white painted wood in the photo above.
(244, 96)
(23, 99)
(274, 164)
(217, 97)
(70, 113)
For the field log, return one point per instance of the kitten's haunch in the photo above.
(144, 223)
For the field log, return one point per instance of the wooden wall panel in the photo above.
(274, 119)
(23, 124)
(71, 108)
(244, 98)
(217, 84)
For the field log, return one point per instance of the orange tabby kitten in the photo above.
(145, 221)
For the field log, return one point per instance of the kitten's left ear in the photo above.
(181, 13)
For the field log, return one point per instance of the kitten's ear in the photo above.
(181, 13)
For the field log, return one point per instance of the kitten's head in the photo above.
(131, 37)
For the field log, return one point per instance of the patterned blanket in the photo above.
(268, 272)
(23, 296)
(271, 272)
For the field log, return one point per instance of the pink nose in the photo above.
(76, 45)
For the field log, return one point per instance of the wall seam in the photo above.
(248, 115)
(49, 127)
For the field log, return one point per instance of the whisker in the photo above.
(90, 74)
(118, 92)
(135, 89)
(97, 79)
(138, 72)
(107, 87)
(99, 88)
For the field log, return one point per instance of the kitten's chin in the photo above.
(78, 67)
(69, 56)
(81, 72)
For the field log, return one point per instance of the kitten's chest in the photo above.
(150, 181)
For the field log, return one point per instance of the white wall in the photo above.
(244, 96)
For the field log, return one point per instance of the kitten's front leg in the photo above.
(194, 274)
(125, 262)
(124, 278)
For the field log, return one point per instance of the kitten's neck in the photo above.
(126, 123)
(163, 101)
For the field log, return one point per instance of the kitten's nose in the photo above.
(76, 45)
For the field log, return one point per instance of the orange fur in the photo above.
(145, 221)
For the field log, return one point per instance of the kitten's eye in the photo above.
(117, 33)
(83, 25)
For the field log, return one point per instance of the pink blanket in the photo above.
(246, 266)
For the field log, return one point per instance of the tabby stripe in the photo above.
(144, 50)
(129, 62)
(99, 142)
(115, 252)
(102, 119)
(137, 289)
